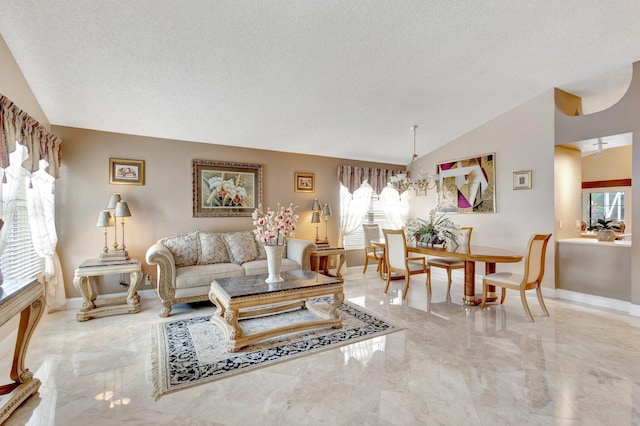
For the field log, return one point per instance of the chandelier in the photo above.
(419, 183)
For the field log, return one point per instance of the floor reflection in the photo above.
(450, 364)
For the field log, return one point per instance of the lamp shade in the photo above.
(105, 219)
(316, 205)
(122, 209)
(326, 210)
(315, 218)
(113, 200)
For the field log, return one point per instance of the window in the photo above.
(604, 203)
(375, 214)
(19, 259)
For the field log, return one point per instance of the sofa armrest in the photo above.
(159, 255)
(300, 251)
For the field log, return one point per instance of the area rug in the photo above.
(190, 352)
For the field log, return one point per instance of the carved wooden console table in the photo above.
(27, 299)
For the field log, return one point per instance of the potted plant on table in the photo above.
(605, 230)
(437, 230)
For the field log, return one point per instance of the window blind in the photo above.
(20, 260)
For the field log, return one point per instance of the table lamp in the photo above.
(315, 218)
(105, 220)
(122, 211)
(326, 212)
(111, 205)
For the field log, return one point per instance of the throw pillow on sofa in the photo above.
(212, 249)
(241, 246)
(185, 249)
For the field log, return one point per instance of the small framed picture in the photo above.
(522, 179)
(126, 172)
(305, 182)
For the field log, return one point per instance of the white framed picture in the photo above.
(522, 179)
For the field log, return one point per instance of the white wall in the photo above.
(522, 139)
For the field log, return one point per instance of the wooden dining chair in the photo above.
(371, 252)
(451, 263)
(532, 277)
(398, 261)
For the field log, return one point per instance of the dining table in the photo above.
(470, 255)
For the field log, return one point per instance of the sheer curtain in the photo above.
(41, 211)
(353, 208)
(363, 182)
(396, 206)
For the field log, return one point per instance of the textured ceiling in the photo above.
(337, 78)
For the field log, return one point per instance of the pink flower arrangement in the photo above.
(274, 226)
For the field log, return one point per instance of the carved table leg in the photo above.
(29, 318)
(338, 298)
(83, 285)
(133, 299)
(341, 260)
(231, 317)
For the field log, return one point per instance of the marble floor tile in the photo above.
(452, 364)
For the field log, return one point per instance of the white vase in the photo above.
(274, 262)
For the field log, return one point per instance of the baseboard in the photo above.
(599, 301)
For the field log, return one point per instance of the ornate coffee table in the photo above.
(250, 296)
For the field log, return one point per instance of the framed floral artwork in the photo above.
(222, 188)
(126, 172)
(305, 182)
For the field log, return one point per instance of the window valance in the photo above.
(353, 176)
(19, 127)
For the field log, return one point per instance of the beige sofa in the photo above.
(187, 264)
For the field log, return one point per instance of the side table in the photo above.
(84, 282)
(320, 260)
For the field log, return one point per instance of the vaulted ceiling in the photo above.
(337, 78)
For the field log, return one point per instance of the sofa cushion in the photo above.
(241, 246)
(185, 249)
(212, 249)
(203, 275)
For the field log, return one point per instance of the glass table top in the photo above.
(251, 285)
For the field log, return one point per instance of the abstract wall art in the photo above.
(467, 185)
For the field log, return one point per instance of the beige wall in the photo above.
(522, 139)
(568, 192)
(614, 163)
(163, 206)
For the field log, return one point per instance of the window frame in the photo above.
(585, 201)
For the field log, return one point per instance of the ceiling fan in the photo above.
(599, 145)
